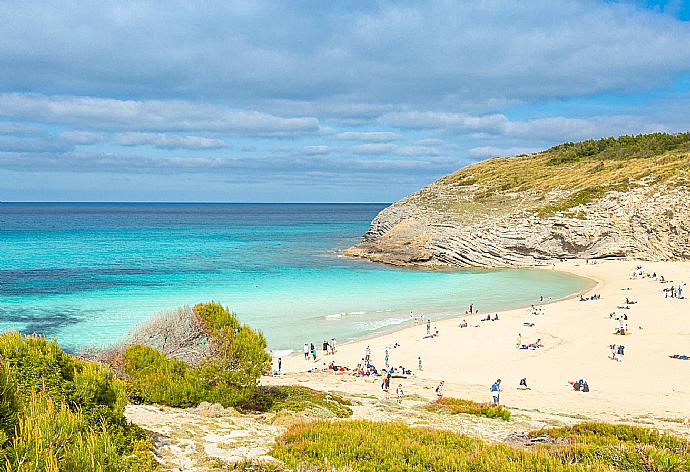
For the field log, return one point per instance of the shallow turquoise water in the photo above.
(87, 273)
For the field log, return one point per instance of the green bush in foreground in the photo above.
(61, 413)
(457, 405)
(367, 446)
(229, 377)
(296, 398)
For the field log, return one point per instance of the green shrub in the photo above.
(154, 378)
(295, 398)
(621, 148)
(368, 446)
(455, 406)
(68, 412)
(9, 404)
(229, 377)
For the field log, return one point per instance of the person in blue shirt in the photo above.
(496, 391)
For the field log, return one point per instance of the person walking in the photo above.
(496, 391)
(439, 390)
(419, 363)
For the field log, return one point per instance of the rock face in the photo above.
(446, 225)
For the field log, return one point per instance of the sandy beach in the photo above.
(576, 336)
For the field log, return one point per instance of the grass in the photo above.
(296, 398)
(561, 178)
(456, 406)
(367, 446)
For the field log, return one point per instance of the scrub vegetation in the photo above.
(561, 178)
(456, 406)
(367, 446)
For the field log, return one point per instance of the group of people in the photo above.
(328, 347)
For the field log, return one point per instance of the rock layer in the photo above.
(440, 226)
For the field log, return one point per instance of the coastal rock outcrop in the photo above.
(533, 210)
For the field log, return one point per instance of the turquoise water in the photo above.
(87, 273)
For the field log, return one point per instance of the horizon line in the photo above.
(144, 202)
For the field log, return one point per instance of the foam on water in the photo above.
(87, 273)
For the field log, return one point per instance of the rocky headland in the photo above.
(626, 197)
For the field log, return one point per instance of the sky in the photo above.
(305, 101)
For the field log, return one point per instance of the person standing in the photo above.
(519, 341)
(306, 351)
(496, 391)
(439, 390)
(333, 348)
(386, 357)
(367, 355)
(419, 363)
(280, 365)
(428, 327)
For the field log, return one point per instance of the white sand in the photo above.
(576, 337)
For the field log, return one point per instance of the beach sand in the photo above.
(576, 336)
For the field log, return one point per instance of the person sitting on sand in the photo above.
(463, 324)
(488, 318)
(523, 384)
(495, 318)
(580, 386)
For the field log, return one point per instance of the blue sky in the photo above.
(318, 101)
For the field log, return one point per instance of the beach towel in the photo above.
(679, 356)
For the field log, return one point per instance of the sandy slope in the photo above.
(576, 336)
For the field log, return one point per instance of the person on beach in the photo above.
(496, 391)
(419, 363)
(313, 351)
(333, 348)
(399, 393)
(386, 357)
(367, 355)
(439, 390)
(306, 351)
(428, 327)
(280, 365)
(519, 341)
(325, 347)
(463, 324)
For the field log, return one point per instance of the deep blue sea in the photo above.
(86, 273)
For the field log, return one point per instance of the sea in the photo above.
(87, 273)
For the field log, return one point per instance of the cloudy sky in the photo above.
(318, 101)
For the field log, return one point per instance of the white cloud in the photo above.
(368, 136)
(417, 151)
(149, 115)
(315, 150)
(373, 148)
(169, 141)
(493, 151)
(80, 137)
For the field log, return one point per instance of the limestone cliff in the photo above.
(625, 197)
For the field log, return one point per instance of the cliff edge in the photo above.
(626, 197)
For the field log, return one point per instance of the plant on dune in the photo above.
(228, 376)
(455, 406)
(62, 413)
(296, 398)
(368, 446)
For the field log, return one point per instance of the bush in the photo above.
(367, 446)
(621, 148)
(455, 406)
(68, 413)
(295, 398)
(154, 378)
(229, 376)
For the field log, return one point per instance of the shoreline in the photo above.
(576, 337)
(592, 284)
